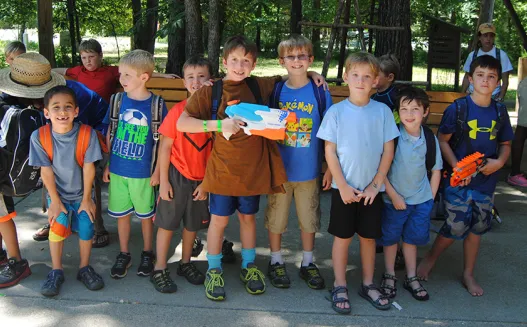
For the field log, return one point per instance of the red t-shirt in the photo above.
(103, 80)
(190, 151)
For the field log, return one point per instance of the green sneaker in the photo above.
(278, 275)
(253, 279)
(214, 285)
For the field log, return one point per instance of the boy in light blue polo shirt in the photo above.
(409, 193)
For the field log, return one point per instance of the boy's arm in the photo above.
(504, 85)
(434, 182)
(87, 204)
(61, 71)
(154, 179)
(494, 165)
(373, 189)
(165, 75)
(165, 189)
(55, 206)
(397, 199)
(189, 124)
(347, 193)
(446, 150)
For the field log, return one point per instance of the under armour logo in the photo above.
(474, 129)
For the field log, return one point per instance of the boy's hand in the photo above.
(349, 194)
(199, 194)
(319, 80)
(232, 126)
(165, 191)
(155, 178)
(369, 194)
(170, 76)
(88, 206)
(106, 174)
(54, 210)
(210, 82)
(491, 167)
(398, 202)
(326, 180)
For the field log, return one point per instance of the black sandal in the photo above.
(413, 291)
(101, 240)
(334, 299)
(363, 292)
(388, 290)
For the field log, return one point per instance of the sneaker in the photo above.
(214, 285)
(92, 280)
(312, 276)
(197, 247)
(162, 281)
(3, 257)
(122, 263)
(52, 284)
(12, 272)
(253, 279)
(517, 180)
(227, 252)
(191, 273)
(278, 275)
(147, 264)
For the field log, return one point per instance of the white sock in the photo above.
(308, 258)
(276, 257)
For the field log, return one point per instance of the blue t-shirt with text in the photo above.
(131, 150)
(301, 150)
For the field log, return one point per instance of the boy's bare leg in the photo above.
(247, 231)
(147, 227)
(308, 241)
(215, 233)
(470, 253)
(55, 249)
(8, 232)
(123, 229)
(188, 238)
(275, 241)
(425, 266)
(367, 258)
(162, 246)
(85, 252)
(410, 260)
(390, 252)
(339, 257)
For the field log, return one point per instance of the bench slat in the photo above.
(165, 83)
(171, 95)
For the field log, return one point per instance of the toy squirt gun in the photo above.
(260, 120)
(467, 167)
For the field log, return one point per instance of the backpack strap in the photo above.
(461, 118)
(157, 113)
(430, 149)
(320, 96)
(115, 106)
(252, 83)
(498, 55)
(217, 90)
(475, 54)
(44, 135)
(83, 142)
(274, 100)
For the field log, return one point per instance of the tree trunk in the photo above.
(176, 41)
(193, 23)
(296, 16)
(150, 26)
(361, 30)
(21, 32)
(343, 39)
(214, 35)
(45, 29)
(258, 38)
(517, 22)
(77, 25)
(315, 37)
(332, 38)
(396, 42)
(71, 19)
(371, 33)
(486, 13)
(136, 19)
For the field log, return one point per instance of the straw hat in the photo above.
(29, 76)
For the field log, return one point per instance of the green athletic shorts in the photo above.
(127, 195)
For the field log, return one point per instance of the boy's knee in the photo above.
(86, 227)
(219, 221)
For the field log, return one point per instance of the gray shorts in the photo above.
(195, 214)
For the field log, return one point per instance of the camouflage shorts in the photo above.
(468, 211)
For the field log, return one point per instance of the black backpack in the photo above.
(17, 177)
(430, 149)
(217, 92)
(320, 95)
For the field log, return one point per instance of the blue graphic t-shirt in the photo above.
(131, 152)
(301, 150)
(480, 123)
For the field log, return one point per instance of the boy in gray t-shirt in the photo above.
(66, 152)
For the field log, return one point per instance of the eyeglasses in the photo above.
(301, 57)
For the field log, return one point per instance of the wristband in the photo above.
(205, 126)
(219, 126)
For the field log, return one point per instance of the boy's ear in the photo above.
(224, 61)
(46, 113)
(427, 111)
(470, 80)
(144, 77)
(391, 77)
(76, 112)
(375, 81)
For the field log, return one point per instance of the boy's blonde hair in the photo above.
(14, 47)
(389, 65)
(362, 58)
(90, 45)
(140, 60)
(295, 42)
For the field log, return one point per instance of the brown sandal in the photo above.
(42, 233)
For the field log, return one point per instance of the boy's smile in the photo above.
(239, 65)
(61, 111)
(412, 114)
(194, 77)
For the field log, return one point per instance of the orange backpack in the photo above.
(83, 141)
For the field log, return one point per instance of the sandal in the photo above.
(388, 290)
(363, 292)
(100, 240)
(334, 299)
(42, 233)
(413, 291)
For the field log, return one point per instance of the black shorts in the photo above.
(347, 219)
(195, 214)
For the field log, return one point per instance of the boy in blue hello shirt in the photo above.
(131, 154)
(486, 129)
(302, 156)
(409, 193)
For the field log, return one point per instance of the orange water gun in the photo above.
(260, 120)
(467, 167)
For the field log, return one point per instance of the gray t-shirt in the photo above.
(68, 174)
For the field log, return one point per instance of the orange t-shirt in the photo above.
(245, 165)
(190, 151)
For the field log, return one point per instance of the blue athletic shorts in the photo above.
(411, 224)
(223, 205)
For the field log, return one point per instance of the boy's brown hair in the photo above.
(59, 89)
(197, 61)
(362, 58)
(14, 47)
(240, 41)
(295, 42)
(412, 93)
(389, 65)
(140, 60)
(90, 45)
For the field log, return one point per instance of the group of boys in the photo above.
(195, 162)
